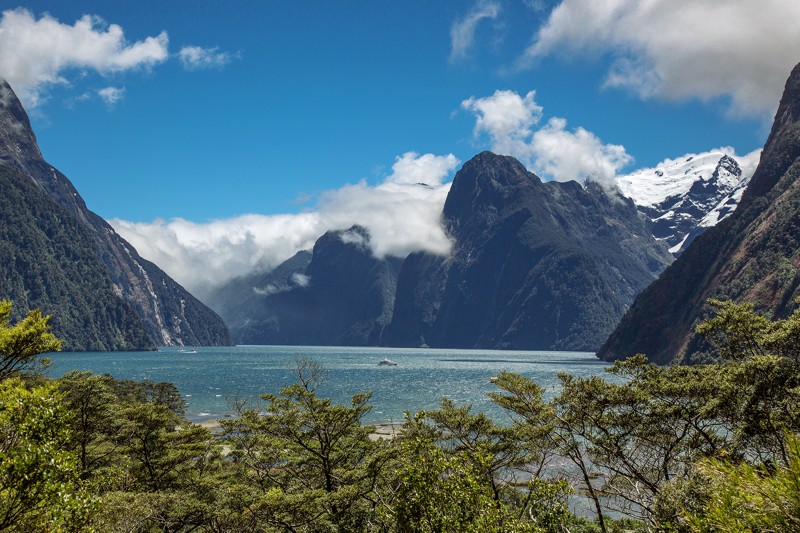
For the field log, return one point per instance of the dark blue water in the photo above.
(211, 377)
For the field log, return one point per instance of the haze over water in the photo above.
(209, 378)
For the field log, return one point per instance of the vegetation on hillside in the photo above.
(684, 448)
(48, 261)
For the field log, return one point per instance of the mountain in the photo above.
(684, 197)
(165, 311)
(753, 255)
(534, 265)
(339, 294)
(48, 261)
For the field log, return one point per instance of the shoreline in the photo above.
(383, 430)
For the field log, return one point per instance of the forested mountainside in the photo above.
(165, 310)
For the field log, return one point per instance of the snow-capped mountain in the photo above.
(687, 195)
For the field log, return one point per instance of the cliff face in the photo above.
(168, 313)
(48, 261)
(339, 294)
(535, 265)
(753, 255)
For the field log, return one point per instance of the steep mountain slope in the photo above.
(753, 255)
(340, 295)
(684, 197)
(534, 266)
(168, 313)
(48, 261)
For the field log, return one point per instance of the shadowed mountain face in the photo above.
(339, 294)
(753, 255)
(534, 266)
(165, 311)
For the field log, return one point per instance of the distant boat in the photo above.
(387, 362)
(190, 351)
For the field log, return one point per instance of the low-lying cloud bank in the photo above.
(403, 214)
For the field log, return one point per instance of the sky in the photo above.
(220, 136)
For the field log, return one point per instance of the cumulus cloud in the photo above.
(507, 118)
(462, 32)
(401, 214)
(682, 49)
(575, 155)
(111, 95)
(427, 169)
(35, 52)
(511, 123)
(198, 58)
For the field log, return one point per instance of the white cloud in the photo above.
(111, 95)
(198, 58)
(300, 279)
(401, 215)
(507, 118)
(34, 53)
(462, 32)
(429, 169)
(575, 155)
(510, 120)
(682, 49)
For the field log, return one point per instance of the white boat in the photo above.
(387, 362)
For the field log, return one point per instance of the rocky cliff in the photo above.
(754, 255)
(339, 294)
(534, 265)
(167, 312)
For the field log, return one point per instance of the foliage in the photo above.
(448, 493)
(22, 342)
(307, 464)
(39, 479)
(736, 331)
(49, 261)
(743, 497)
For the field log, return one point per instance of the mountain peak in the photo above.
(18, 146)
(783, 144)
(486, 184)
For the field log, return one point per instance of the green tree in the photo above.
(447, 492)
(40, 489)
(503, 451)
(95, 422)
(22, 342)
(307, 464)
(742, 497)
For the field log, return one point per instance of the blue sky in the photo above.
(288, 104)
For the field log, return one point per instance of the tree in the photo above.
(22, 342)
(459, 431)
(443, 491)
(308, 464)
(40, 489)
(95, 422)
(742, 497)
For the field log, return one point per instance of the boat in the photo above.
(387, 362)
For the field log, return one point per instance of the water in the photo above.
(211, 377)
